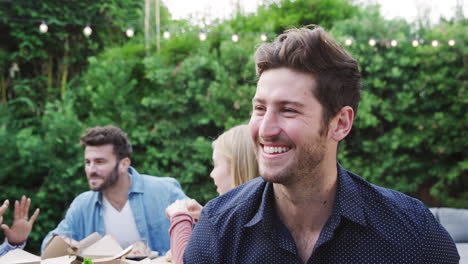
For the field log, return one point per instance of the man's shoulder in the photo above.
(152, 180)
(375, 195)
(149, 179)
(85, 199)
(162, 188)
(384, 204)
(243, 201)
(145, 181)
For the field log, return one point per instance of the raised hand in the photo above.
(190, 207)
(22, 224)
(176, 207)
(194, 209)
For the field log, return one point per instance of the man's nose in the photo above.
(91, 168)
(269, 126)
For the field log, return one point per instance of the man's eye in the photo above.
(259, 108)
(289, 110)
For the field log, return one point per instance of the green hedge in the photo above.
(408, 134)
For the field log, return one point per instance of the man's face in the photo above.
(101, 167)
(285, 125)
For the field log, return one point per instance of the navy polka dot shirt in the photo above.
(369, 224)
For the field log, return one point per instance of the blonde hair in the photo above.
(237, 147)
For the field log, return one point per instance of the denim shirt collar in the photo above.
(136, 186)
(348, 202)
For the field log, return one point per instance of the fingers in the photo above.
(34, 216)
(22, 208)
(6, 229)
(4, 206)
(25, 208)
(175, 207)
(193, 205)
(17, 213)
(167, 212)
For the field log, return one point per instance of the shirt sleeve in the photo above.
(177, 192)
(66, 226)
(438, 246)
(6, 247)
(201, 246)
(180, 231)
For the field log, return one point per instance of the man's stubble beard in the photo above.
(304, 167)
(110, 180)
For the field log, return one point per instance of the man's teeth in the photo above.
(271, 150)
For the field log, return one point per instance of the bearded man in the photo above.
(123, 203)
(305, 207)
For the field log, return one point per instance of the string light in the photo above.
(348, 42)
(235, 38)
(202, 36)
(87, 31)
(43, 27)
(129, 32)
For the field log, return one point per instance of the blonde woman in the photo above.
(234, 164)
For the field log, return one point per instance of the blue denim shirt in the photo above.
(369, 224)
(148, 197)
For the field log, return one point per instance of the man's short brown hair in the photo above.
(314, 51)
(98, 136)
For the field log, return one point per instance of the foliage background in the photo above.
(408, 134)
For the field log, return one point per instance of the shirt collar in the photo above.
(265, 211)
(348, 202)
(136, 185)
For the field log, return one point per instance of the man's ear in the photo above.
(125, 163)
(342, 123)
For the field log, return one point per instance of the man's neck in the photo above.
(117, 194)
(305, 207)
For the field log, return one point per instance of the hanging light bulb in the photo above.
(130, 32)
(235, 38)
(43, 27)
(394, 43)
(451, 42)
(87, 31)
(415, 43)
(202, 36)
(348, 42)
(435, 43)
(372, 42)
(167, 34)
(263, 37)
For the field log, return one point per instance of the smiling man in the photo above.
(306, 208)
(123, 203)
